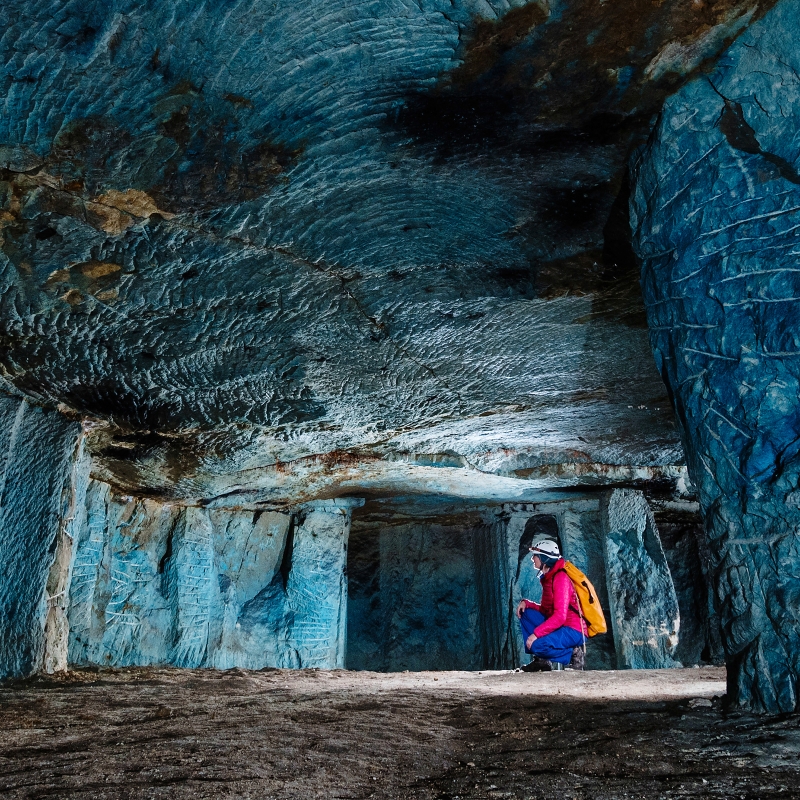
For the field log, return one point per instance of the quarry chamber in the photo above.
(437, 591)
(312, 314)
(406, 583)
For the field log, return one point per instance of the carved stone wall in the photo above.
(156, 584)
(716, 209)
(41, 480)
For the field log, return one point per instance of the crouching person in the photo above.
(554, 630)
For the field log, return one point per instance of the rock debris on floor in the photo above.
(164, 733)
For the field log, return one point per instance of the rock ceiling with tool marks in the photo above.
(272, 251)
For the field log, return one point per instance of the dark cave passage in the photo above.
(436, 591)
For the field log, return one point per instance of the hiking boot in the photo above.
(578, 660)
(537, 665)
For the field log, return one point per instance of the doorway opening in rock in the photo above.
(433, 584)
(413, 594)
(437, 592)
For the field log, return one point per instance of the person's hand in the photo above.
(521, 608)
(530, 640)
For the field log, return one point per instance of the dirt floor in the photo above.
(157, 733)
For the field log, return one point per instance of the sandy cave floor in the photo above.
(165, 733)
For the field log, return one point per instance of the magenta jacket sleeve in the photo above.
(531, 604)
(562, 586)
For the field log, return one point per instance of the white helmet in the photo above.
(546, 549)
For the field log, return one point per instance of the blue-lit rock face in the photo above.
(261, 244)
(716, 209)
(110, 580)
(685, 545)
(432, 590)
(257, 258)
(155, 584)
(642, 603)
(583, 536)
(414, 599)
(39, 488)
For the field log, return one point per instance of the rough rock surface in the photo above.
(413, 595)
(422, 584)
(156, 584)
(279, 254)
(278, 250)
(682, 535)
(38, 483)
(642, 602)
(716, 209)
(434, 586)
(583, 542)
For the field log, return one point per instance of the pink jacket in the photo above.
(559, 603)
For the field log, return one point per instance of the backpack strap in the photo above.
(577, 607)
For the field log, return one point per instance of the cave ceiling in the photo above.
(270, 252)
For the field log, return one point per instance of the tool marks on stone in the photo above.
(715, 226)
(305, 266)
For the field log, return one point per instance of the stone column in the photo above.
(59, 579)
(521, 583)
(718, 246)
(316, 586)
(642, 600)
(194, 587)
(157, 583)
(491, 560)
(38, 487)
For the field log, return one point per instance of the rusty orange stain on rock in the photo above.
(73, 297)
(490, 39)
(133, 202)
(97, 269)
(115, 212)
(57, 276)
(108, 295)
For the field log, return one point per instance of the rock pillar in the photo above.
(715, 212)
(316, 586)
(642, 602)
(124, 582)
(493, 572)
(193, 587)
(522, 582)
(39, 484)
(59, 579)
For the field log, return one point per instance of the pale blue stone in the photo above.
(643, 608)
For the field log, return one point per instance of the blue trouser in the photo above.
(556, 646)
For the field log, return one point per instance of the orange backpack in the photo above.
(587, 600)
